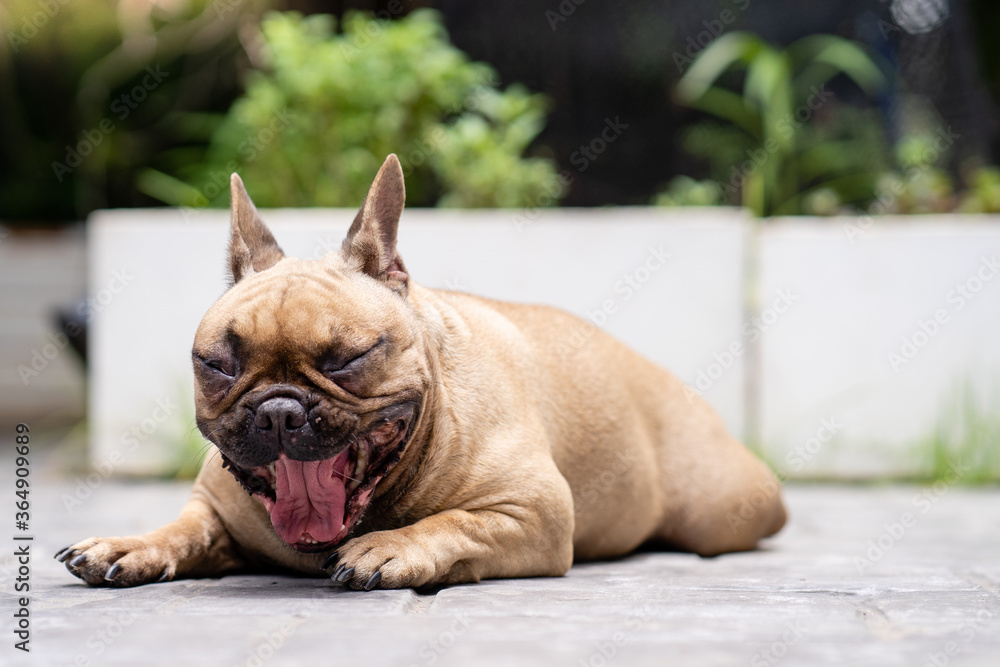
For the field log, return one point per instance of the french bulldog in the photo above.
(390, 436)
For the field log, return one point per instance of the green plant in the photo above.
(323, 111)
(186, 447)
(91, 90)
(965, 447)
(920, 185)
(787, 166)
(983, 195)
(685, 191)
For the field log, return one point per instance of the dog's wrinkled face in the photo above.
(310, 375)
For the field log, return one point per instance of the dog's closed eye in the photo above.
(347, 369)
(219, 367)
(216, 371)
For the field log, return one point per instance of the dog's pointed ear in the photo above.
(371, 240)
(252, 247)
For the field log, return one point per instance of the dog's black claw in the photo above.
(112, 571)
(163, 577)
(63, 554)
(336, 573)
(62, 551)
(373, 580)
(345, 574)
(330, 560)
(79, 560)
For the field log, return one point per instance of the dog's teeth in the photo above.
(272, 468)
(359, 469)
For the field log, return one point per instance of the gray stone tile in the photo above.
(800, 600)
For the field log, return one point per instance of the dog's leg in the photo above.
(195, 545)
(729, 507)
(523, 537)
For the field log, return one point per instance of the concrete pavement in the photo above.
(862, 575)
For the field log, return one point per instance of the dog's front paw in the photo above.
(117, 561)
(385, 559)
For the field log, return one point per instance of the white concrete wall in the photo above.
(41, 378)
(861, 295)
(159, 270)
(832, 308)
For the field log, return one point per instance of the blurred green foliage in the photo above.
(921, 185)
(770, 154)
(783, 148)
(967, 439)
(983, 194)
(323, 110)
(686, 191)
(80, 113)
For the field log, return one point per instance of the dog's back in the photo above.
(645, 457)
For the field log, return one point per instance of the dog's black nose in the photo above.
(280, 414)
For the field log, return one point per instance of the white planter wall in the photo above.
(859, 297)
(159, 270)
(828, 308)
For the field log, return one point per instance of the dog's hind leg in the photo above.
(729, 502)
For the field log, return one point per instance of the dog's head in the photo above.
(310, 375)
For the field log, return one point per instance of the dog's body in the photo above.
(451, 439)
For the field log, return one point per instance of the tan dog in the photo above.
(416, 436)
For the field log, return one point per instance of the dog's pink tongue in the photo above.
(310, 499)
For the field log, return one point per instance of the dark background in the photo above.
(606, 60)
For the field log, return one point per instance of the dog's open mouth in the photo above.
(314, 505)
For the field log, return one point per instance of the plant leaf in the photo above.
(824, 56)
(731, 106)
(726, 52)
